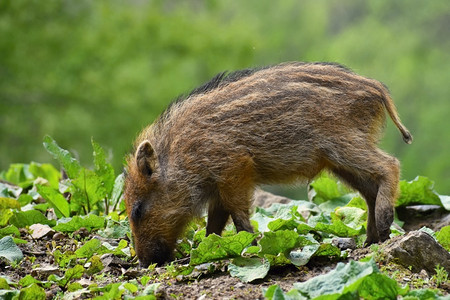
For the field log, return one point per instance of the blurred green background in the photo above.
(77, 69)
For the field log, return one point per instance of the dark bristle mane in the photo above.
(222, 79)
(217, 81)
(210, 85)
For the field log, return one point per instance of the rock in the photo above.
(50, 214)
(45, 271)
(417, 216)
(133, 272)
(344, 243)
(40, 231)
(239, 285)
(110, 260)
(85, 282)
(58, 236)
(417, 250)
(82, 232)
(52, 292)
(265, 199)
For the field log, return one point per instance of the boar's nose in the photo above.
(158, 252)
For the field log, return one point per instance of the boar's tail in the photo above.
(392, 111)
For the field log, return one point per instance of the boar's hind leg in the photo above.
(387, 194)
(376, 177)
(368, 189)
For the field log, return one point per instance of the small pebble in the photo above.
(58, 236)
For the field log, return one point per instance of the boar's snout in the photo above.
(157, 251)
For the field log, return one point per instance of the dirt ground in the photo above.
(214, 285)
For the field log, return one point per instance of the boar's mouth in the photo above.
(158, 252)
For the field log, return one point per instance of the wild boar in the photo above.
(273, 125)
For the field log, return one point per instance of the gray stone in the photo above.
(45, 271)
(344, 243)
(417, 250)
(265, 199)
(40, 231)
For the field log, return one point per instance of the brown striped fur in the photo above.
(280, 124)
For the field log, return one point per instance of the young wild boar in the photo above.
(279, 124)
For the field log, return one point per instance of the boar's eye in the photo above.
(137, 212)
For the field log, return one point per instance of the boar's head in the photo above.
(154, 215)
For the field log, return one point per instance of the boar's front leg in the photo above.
(237, 201)
(217, 217)
(235, 191)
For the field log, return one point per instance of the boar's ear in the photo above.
(145, 157)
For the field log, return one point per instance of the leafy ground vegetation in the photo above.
(67, 236)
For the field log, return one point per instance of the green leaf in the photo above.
(112, 291)
(9, 250)
(445, 200)
(88, 249)
(74, 273)
(338, 228)
(151, 289)
(249, 269)
(279, 242)
(74, 286)
(70, 274)
(25, 199)
(5, 215)
(70, 164)
(9, 191)
(72, 224)
(28, 280)
(418, 191)
(46, 171)
(357, 202)
(4, 284)
(22, 219)
(9, 230)
(330, 205)
(9, 203)
(353, 217)
(115, 229)
(119, 184)
(89, 189)
(33, 292)
(9, 294)
(262, 221)
(274, 292)
(96, 265)
(103, 169)
(302, 257)
(19, 174)
(286, 218)
(355, 278)
(326, 188)
(427, 294)
(443, 237)
(132, 288)
(56, 200)
(328, 250)
(214, 247)
(24, 174)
